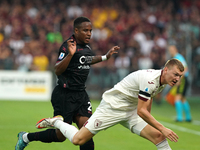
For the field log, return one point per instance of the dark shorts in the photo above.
(70, 103)
(182, 88)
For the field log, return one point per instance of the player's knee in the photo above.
(158, 137)
(78, 141)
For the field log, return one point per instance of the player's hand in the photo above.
(71, 46)
(112, 51)
(170, 135)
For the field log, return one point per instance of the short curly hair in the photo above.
(79, 20)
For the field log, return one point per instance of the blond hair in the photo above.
(174, 62)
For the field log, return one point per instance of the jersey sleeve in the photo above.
(63, 51)
(146, 88)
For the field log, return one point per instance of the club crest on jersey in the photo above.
(61, 56)
(97, 123)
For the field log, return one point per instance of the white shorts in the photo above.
(105, 116)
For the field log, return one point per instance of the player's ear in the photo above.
(165, 69)
(75, 30)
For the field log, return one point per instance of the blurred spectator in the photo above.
(40, 61)
(144, 62)
(31, 10)
(24, 60)
(6, 58)
(52, 61)
(111, 70)
(122, 64)
(74, 10)
(16, 43)
(54, 37)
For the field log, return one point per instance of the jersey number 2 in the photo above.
(90, 107)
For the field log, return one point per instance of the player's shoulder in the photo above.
(63, 47)
(149, 74)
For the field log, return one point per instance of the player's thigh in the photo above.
(57, 99)
(104, 117)
(152, 134)
(85, 108)
(134, 123)
(66, 103)
(84, 111)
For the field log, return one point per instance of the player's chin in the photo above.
(170, 84)
(87, 41)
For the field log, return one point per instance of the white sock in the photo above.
(163, 145)
(25, 138)
(67, 130)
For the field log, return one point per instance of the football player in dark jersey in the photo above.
(69, 98)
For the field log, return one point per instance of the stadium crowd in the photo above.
(31, 33)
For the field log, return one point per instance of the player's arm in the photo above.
(149, 107)
(144, 113)
(98, 58)
(61, 66)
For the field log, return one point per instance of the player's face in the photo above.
(173, 75)
(83, 34)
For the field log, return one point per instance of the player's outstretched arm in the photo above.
(113, 50)
(144, 113)
(61, 66)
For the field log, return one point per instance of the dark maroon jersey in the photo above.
(75, 76)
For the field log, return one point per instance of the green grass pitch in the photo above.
(19, 116)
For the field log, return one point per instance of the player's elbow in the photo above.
(141, 113)
(57, 72)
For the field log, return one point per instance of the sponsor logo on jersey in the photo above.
(85, 59)
(79, 49)
(150, 82)
(84, 67)
(149, 70)
(61, 56)
(146, 89)
(82, 59)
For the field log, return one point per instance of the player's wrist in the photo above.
(104, 57)
(70, 54)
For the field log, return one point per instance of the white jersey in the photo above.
(142, 84)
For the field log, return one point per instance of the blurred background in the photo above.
(31, 33)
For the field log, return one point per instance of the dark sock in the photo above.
(88, 146)
(46, 136)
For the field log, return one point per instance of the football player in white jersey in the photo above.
(129, 104)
